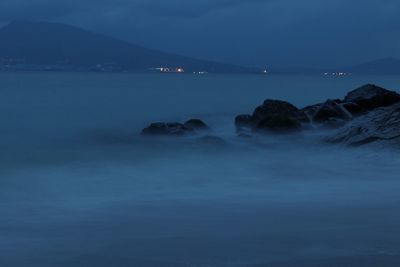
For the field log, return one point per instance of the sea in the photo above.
(79, 185)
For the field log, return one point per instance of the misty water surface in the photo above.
(80, 187)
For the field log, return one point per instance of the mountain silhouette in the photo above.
(25, 43)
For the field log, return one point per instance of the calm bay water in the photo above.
(79, 187)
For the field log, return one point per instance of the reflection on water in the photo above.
(79, 187)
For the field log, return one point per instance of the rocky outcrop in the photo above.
(369, 97)
(377, 117)
(381, 124)
(367, 114)
(175, 128)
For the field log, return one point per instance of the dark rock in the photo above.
(275, 107)
(310, 111)
(168, 129)
(279, 123)
(331, 110)
(371, 96)
(381, 124)
(354, 108)
(196, 124)
(272, 115)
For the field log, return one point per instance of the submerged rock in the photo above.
(172, 129)
(175, 128)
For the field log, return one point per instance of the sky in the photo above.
(262, 33)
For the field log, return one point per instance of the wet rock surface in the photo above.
(381, 124)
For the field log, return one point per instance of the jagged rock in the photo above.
(379, 124)
(371, 96)
(331, 111)
(171, 129)
(196, 124)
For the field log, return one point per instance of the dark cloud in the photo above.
(251, 32)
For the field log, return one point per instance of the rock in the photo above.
(370, 97)
(279, 123)
(331, 111)
(167, 129)
(273, 108)
(273, 116)
(354, 108)
(310, 111)
(196, 124)
(381, 124)
(278, 115)
(175, 128)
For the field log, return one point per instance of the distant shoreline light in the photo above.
(338, 73)
(169, 70)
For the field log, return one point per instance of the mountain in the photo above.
(38, 45)
(381, 66)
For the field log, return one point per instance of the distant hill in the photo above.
(381, 66)
(53, 46)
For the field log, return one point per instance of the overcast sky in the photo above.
(250, 32)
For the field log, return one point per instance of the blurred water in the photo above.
(79, 187)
